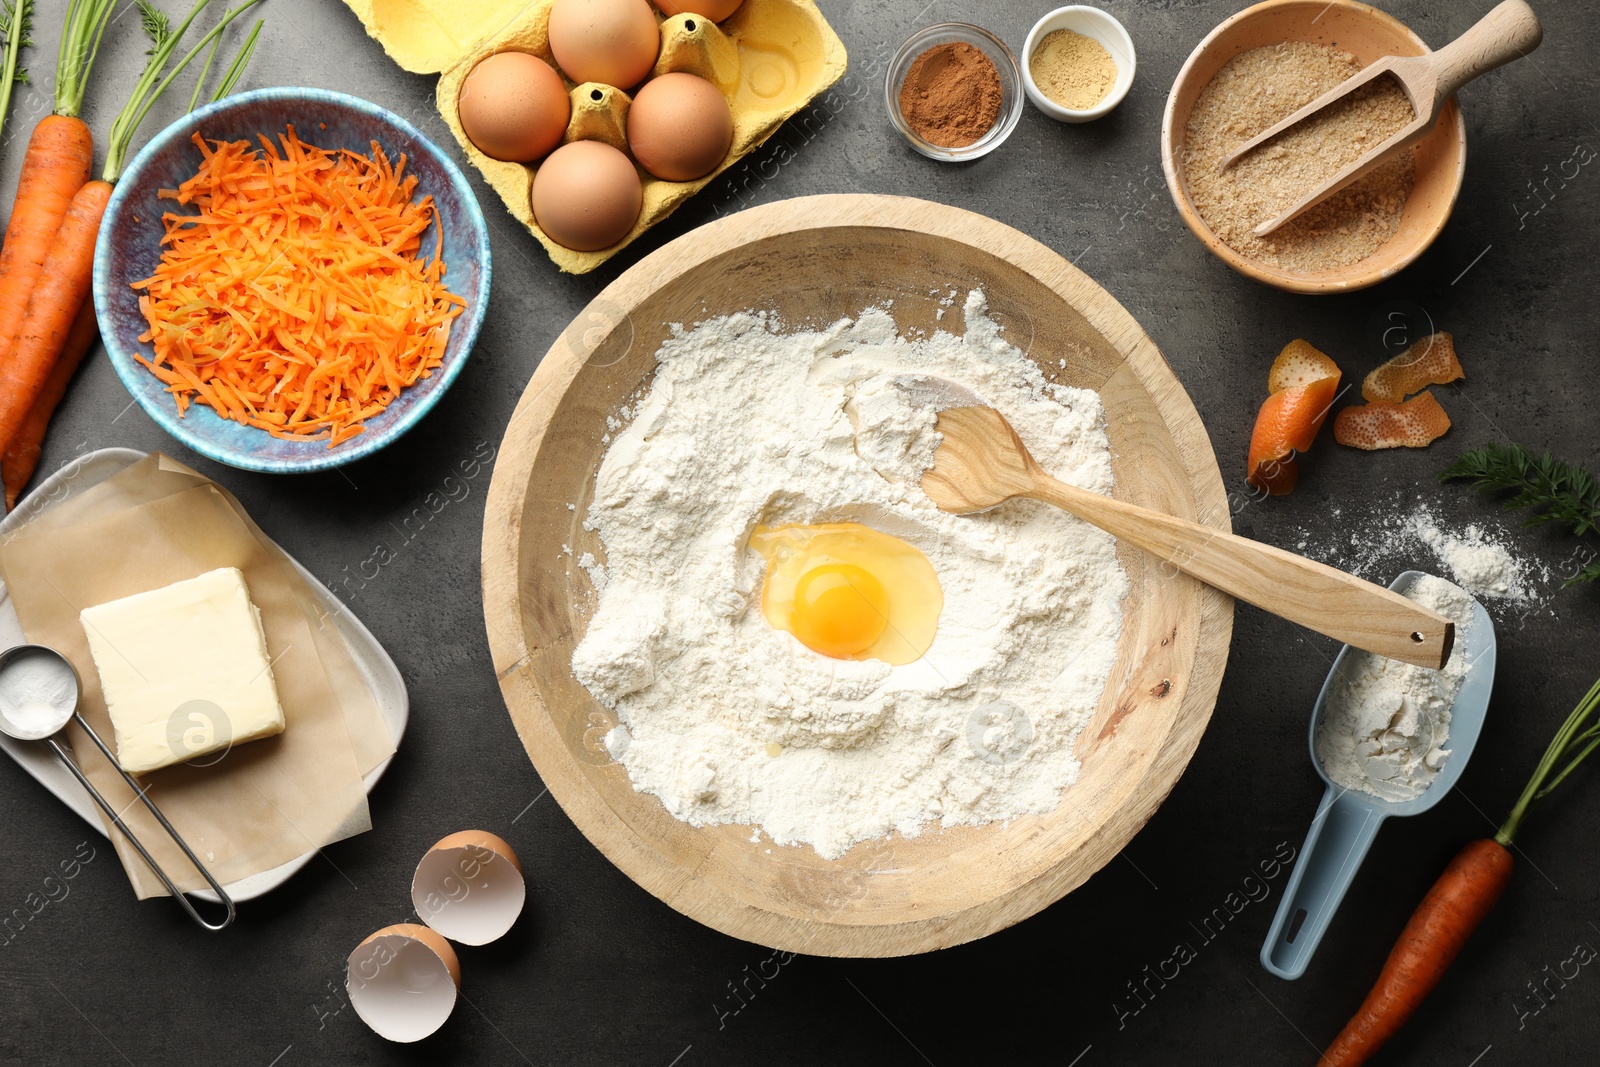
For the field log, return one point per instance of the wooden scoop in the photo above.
(982, 463)
(1508, 31)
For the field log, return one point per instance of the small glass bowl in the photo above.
(1011, 91)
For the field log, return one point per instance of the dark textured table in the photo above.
(599, 972)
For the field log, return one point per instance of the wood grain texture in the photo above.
(983, 462)
(812, 260)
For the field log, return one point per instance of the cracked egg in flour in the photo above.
(792, 636)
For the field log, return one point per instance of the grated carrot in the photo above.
(296, 300)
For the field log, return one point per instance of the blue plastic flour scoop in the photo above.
(1347, 820)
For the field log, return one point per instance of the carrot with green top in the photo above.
(56, 166)
(1462, 897)
(62, 283)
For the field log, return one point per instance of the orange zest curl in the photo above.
(295, 299)
(1303, 384)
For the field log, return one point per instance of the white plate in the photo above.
(382, 676)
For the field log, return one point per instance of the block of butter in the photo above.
(184, 670)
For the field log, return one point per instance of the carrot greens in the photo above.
(164, 40)
(18, 26)
(80, 44)
(1578, 737)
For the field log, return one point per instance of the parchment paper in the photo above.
(265, 802)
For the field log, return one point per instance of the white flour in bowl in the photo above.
(1387, 723)
(729, 720)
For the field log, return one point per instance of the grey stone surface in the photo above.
(599, 972)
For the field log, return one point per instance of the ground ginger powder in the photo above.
(1073, 70)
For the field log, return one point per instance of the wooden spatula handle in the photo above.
(1304, 591)
(1510, 30)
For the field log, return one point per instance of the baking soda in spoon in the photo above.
(1388, 723)
(37, 693)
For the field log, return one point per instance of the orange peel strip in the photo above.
(1416, 423)
(1287, 423)
(1300, 363)
(1430, 361)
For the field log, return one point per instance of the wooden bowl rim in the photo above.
(512, 656)
(1341, 280)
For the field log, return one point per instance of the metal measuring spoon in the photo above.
(45, 716)
(1347, 820)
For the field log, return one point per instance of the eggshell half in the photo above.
(403, 981)
(469, 887)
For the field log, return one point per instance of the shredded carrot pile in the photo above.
(295, 300)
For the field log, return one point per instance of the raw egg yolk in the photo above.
(848, 591)
(839, 609)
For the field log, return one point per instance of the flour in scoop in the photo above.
(1387, 723)
(728, 719)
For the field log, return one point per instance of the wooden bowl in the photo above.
(1368, 34)
(813, 260)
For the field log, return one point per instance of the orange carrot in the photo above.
(61, 283)
(1461, 898)
(297, 300)
(62, 289)
(20, 459)
(60, 153)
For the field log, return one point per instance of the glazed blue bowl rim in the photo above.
(133, 375)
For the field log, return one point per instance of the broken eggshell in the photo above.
(403, 981)
(469, 887)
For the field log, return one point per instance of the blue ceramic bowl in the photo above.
(130, 247)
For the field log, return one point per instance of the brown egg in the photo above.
(514, 106)
(679, 127)
(586, 196)
(611, 41)
(715, 10)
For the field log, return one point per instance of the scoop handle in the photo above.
(1505, 33)
(1340, 835)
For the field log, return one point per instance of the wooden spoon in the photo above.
(1508, 31)
(982, 463)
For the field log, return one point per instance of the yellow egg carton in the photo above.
(770, 58)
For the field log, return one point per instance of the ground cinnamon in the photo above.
(951, 95)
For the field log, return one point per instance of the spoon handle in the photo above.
(1304, 591)
(1508, 31)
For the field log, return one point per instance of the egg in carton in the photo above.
(769, 58)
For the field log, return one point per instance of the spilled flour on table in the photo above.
(1368, 541)
(729, 720)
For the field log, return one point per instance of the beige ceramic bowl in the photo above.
(1368, 34)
